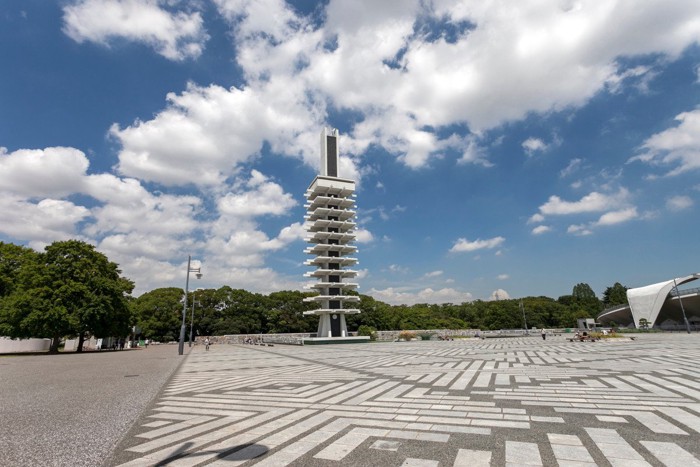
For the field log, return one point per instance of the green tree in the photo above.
(615, 295)
(70, 290)
(585, 299)
(159, 313)
(12, 259)
(286, 312)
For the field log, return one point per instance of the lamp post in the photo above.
(680, 300)
(522, 308)
(192, 317)
(198, 271)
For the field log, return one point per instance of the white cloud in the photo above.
(617, 217)
(580, 230)
(514, 61)
(50, 172)
(499, 294)
(175, 35)
(397, 296)
(679, 203)
(677, 147)
(258, 197)
(40, 223)
(433, 274)
(292, 233)
(503, 277)
(540, 229)
(464, 245)
(472, 152)
(533, 145)
(395, 268)
(364, 236)
(574, 166)
(593, 202)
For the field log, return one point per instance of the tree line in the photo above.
(72, 290)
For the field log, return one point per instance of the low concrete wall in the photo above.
(296, 338)
(390, 336)
(8, 345)
(286, 338)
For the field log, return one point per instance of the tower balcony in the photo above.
(323, 261)
(325, 201)
(323, 248)
(322, 237)
(325, 213)
(322, 224)
(326, 285)
(324, 273)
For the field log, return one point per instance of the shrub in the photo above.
(407, 335)
(365, 330)
(425, 336)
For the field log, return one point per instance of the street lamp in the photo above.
(192, 318)
(198, 271)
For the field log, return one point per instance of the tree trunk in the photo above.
(81, 341)
(54, 344)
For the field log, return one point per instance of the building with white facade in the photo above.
(331, 233)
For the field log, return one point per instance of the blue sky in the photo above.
(500, 148)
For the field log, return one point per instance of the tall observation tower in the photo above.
(331, 227)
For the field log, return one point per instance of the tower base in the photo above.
(335, 340)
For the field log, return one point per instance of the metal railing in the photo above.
(684, 292)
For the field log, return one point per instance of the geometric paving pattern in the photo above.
(499, 402)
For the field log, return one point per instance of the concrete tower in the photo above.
(331, 227)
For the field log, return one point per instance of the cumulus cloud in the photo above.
(503, 277)
(402, 296)
(617, 217)
(464, 245)
(257, 197)
(592, 202)
(533, 145)
(677, 148)
(50, 172)
(580, 230)
(406, 85)
(145, 231)
(540, 229)
(42, 222)
(499, 294)
(176, 35)
(679, 203)
(364, 236)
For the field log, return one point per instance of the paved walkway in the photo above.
(517, 401)
(73, 409)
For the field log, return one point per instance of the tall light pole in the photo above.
(524, 320)
(680, 300)
(192, 318)
(198, 271)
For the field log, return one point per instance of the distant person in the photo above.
(145, 343)
(206, 344)
(544, 334)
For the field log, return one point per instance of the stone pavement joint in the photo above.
(469, 402)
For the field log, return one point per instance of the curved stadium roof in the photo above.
(661, 304)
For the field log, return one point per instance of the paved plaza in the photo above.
(516, 401)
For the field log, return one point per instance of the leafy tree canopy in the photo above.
(615, 295)
(70, 289)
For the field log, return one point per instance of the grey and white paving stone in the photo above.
(498, 402)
